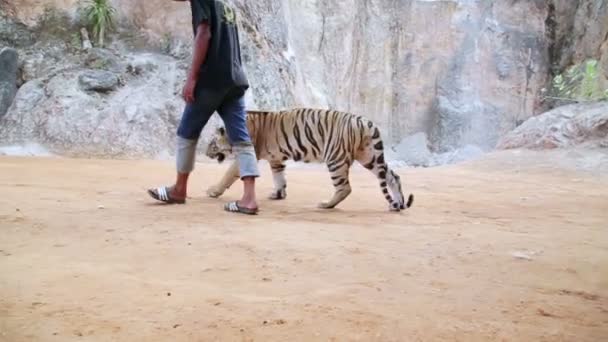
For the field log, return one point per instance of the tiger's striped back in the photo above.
(310, 135)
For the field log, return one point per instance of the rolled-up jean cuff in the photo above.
(186, 155)
(248, 162)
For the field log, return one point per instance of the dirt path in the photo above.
(491, 250)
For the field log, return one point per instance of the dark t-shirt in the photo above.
(223, 67)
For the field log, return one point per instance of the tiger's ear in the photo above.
(222, 131)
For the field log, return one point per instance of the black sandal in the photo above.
(234, 207)
(163, 194)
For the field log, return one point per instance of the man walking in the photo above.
(216, 82)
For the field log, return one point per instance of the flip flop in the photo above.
(234, 207)
(163, 194)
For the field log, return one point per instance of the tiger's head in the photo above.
(219, 147)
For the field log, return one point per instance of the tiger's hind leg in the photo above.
(339, 172)
(278, 177)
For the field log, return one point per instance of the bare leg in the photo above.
(248, 200)
(186, 151)
(248, 170)
(177, 193)
(180, 190)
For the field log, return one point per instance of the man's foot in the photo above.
(235, 207)
(166, 195)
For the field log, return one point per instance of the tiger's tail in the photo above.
(390, 182)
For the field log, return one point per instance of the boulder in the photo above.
(98, 80)
(567, 126)
(138, 119)
(14, 33)
(465, 153)
(413, 150)
(104, 59)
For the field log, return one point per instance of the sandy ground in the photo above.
(507, 248)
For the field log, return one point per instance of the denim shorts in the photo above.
(229, 104)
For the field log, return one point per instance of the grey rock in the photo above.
(572, 125)
(413, 150)
(46, 59)
(461, 119)
(17, 125)
(9, 65)
(104, 59)
(29, 150)
(141, 64)
(29, 96)
(138, 119)
(452, 121)
(98, 80)
(14, 33)
(503, 66)
(465, 153)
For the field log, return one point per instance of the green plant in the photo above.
(580, 83)
(100, 15)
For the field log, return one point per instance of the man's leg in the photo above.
(185, 158)
(233, 114)
(194, 119)
(248, 169)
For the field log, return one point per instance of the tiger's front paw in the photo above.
(215, 191)
(278, 194)
(326, 205)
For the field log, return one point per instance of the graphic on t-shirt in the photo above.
(229, 16)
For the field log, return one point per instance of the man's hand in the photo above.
(188, 92)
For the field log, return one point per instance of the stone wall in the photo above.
(463, 72)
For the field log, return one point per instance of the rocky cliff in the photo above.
(458, 73)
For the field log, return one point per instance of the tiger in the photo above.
(335, 138)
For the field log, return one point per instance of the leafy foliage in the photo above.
(100, 15)
(580, 83)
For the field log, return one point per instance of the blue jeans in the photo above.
(230, 105)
